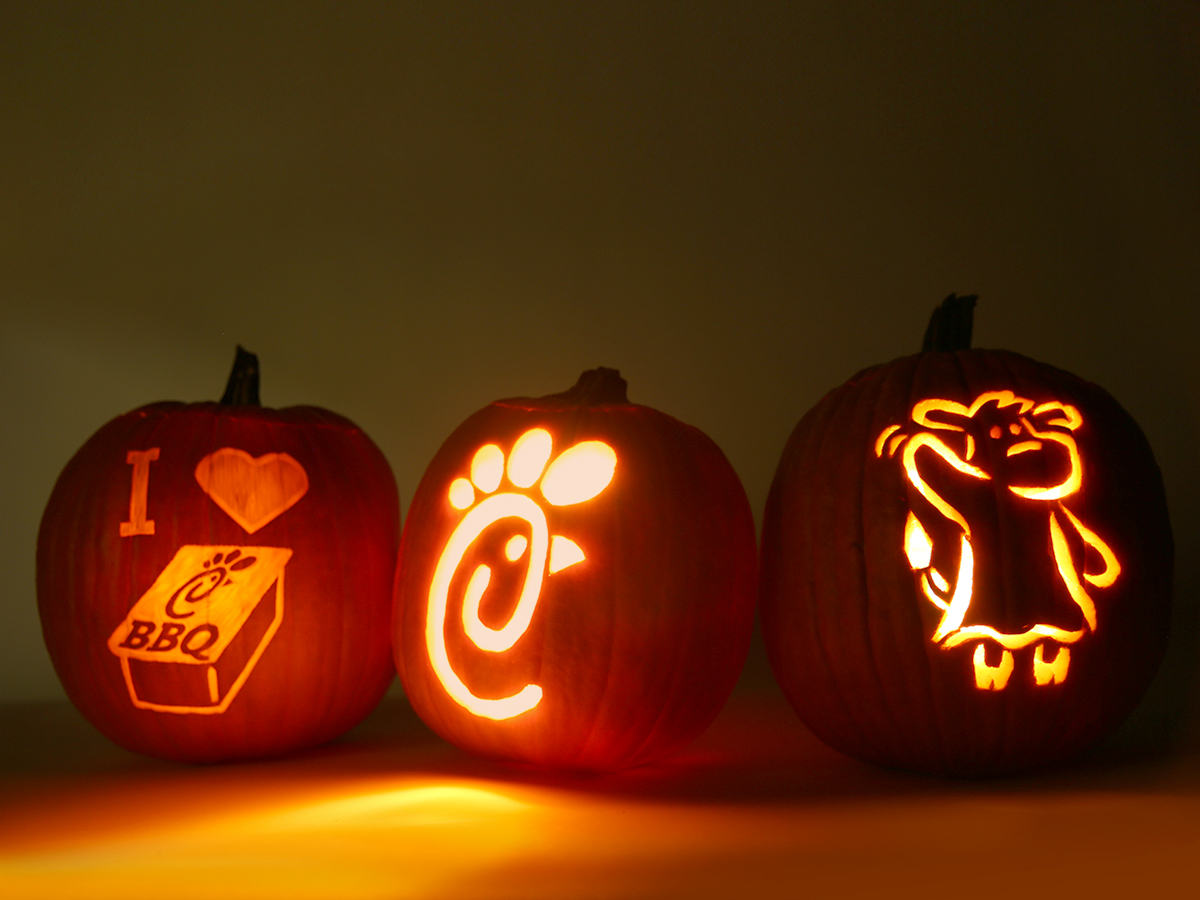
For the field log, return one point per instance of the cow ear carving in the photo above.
(1064, 415)
(934, 413)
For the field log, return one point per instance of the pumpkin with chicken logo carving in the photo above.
(214, 579)
(966, 561)
(576, 581)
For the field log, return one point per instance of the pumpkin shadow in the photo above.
(1167, 719)
(758, 752)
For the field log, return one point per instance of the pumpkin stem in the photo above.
(950, 325)
(597, 386)
(242, 388)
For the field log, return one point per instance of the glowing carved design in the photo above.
(252, 491)
(487, 468)
(917, 545)
(564, 552)
(138, 523)
(1051, 672)
(515, 548)
(462, 493)
(1046, 427)
(579, 474)
(992, 678)
(883, 436)
(173, 642)
(529, 456)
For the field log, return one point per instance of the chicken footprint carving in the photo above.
(579, 473)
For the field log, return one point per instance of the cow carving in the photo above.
(1026, 455)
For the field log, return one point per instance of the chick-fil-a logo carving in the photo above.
(207, 595)
(943, 437)
(578, 474)
(190, 616)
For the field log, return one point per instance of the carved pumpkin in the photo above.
(576, 581)
(214, 579)
(966, 561)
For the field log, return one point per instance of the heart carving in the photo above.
(253, 491)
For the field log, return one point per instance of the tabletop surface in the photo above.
(756, 807)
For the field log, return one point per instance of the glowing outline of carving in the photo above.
(950, 632)
(223, 476)
(247, 668)
(548, 554)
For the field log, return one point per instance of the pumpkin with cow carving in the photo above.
(966, 561)
(214, 579)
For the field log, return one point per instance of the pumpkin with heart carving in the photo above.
(214, 579)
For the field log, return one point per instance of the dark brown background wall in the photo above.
(410, 209)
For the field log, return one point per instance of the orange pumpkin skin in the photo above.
(326, 664)
(635, 647)
(849, 627)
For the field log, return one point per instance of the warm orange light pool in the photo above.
(757, 808)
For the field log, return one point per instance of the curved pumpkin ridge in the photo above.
(848, 523)
(329, 721)
(742, 577)
(906, 379)
(79, 544)
(693, 446)
(790, 629)
(605, 697)
(901, 618)
(679, 634)
(811, 621)
(334, 715)
(635, 432)
(870, 700)
(686, 631)
(286, 711)
(823, 571)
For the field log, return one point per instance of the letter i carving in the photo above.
(138, 523)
